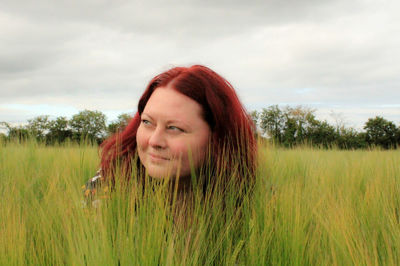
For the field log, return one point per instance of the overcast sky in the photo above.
(339, 57)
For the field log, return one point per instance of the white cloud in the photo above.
(101, 54)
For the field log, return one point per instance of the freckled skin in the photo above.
(171, 127)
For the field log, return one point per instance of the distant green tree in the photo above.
(89, 124)
(272, 122)
(18, 133)
(291, 126)
(3, 127)
(119, 124)
(288, 126)
(38, 127)
(398, 136)
(321, 133)
(3, 138)
(381, 132)
(59, 130)
(289, 131)
(298, 122)
(254, 115)
(349, 138)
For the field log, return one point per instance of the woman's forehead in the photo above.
(169, 104)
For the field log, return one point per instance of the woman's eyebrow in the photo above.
(146, 114)
(172, 121)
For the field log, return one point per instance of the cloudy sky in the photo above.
(340, 57)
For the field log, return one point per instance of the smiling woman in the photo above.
(172, 129)
(189, 123)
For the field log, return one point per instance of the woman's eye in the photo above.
(146, 122)
(176, 128)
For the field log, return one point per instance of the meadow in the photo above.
(310, 207)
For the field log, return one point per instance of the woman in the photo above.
(190, 123)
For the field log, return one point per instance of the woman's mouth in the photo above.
(157, 158)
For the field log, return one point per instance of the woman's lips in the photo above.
(157, 158)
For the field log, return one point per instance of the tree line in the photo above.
(89, 126)
(285, 126)
(291, 126)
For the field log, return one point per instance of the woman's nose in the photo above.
(157, 139)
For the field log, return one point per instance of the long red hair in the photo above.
(233, 143)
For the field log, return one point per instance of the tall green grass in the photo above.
(310, 206)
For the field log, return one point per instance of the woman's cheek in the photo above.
(178, 149)
(141, 138)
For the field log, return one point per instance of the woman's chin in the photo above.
(164, 171)
(160, 174)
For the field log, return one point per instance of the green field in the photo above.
(311, 206)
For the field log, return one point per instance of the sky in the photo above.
(338, 57)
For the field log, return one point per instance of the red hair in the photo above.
(233, 143)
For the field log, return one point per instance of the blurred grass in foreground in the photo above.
(310, 206)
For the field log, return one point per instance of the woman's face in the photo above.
(172, 134)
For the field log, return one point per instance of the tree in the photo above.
(349, 138)
(90, 124)
(292, 126)
(398, 135)
(340, 121)
(381, 132)
(16, 133)
(254, 115)
(119, 124)
(59, 130)
(272, 122)
(38, 127)
(321, 133)
(288, 126)
(299, 121)
(3, 138)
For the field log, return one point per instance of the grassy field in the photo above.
(310, 207)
